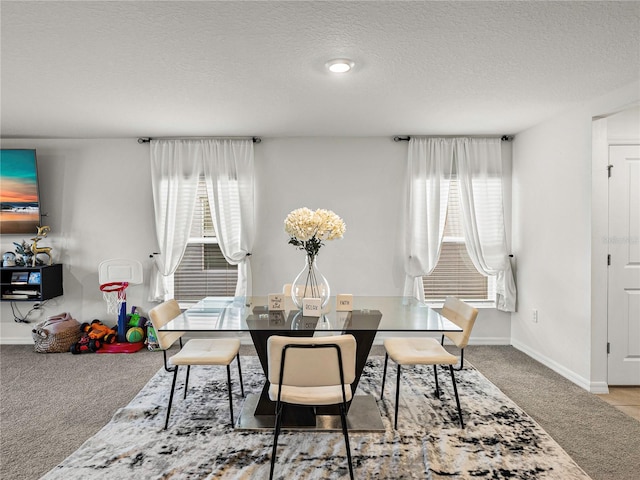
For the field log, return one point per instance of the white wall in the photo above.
(360, 180)
(552, 240)
(98, 196)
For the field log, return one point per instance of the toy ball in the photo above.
(135, 334)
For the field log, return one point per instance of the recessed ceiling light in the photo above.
(340, 65)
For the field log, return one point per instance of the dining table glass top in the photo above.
(245, 314)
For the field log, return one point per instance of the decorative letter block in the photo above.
(276, 302)
(311, 307)
(344, 302)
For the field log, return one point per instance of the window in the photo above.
(203, 271)
(455, 273)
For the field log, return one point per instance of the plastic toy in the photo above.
(134, 319)
(136, 327)
(99, 331)
(94, 336)
(152, 339)
(135, 334)
(85, 344)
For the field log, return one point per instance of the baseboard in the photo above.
(16, 341)
(599, 387)
(490, 341)
(555, 366)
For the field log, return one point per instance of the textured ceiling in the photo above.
(146, 68)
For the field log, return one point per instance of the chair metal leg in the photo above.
(230, 396)
(435, 375)
(455, 391)
(173, 387)
(345, 432)
(461, 360)
(395, 425)
(276, 433)
(461, 355)
(240, 374)
(166, 365)
(186, 382)
(384, 374)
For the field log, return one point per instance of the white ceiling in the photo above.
(146, 68)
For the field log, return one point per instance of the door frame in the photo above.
(599, 246)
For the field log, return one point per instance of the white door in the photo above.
(624, 266)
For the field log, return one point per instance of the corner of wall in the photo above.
(555, 366)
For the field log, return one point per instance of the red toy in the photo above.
(95, 335)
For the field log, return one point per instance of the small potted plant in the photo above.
(24, 255)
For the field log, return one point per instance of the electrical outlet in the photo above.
(534, 315)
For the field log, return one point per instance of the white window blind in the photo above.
(455, 273)
(203, 271)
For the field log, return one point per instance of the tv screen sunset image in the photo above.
(20, 203)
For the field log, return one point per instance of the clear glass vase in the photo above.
(300, 322)
(310, 283)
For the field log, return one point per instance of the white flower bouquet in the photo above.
(308, 229)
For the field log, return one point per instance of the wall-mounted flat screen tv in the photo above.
(19, 194)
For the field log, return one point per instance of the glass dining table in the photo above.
(369, 315)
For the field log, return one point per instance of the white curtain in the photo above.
(175, 169)
(228, 169)
(176, 166)
(479, 162)
(429, 172)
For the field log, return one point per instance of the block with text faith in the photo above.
(344, 302)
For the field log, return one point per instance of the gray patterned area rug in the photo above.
(499, 440)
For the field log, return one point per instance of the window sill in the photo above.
(476, 304)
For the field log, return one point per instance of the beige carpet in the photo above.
(51, 404)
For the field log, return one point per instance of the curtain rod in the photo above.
(406, 138)
(148, 139)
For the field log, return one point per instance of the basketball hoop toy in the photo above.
(114, 293)
(114, 276)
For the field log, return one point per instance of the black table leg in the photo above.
(362, 326)
(364, 342)
(293, 415)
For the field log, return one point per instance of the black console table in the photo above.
(30, 284)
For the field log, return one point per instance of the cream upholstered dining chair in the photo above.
(311, 371)
(461, 314)
(428, 351)
(209, 351)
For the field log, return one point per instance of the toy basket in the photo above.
(56, 334)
